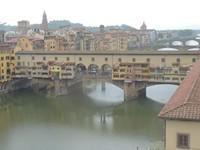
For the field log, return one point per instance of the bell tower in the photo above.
(44, 22)
(143, 26)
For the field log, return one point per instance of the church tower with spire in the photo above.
(143, 26)
(44, 22)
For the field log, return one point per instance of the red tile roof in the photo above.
(185, 103)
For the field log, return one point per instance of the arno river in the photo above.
(89, 120)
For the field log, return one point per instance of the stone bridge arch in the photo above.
(106, 69)
(81, 67)
(93, 68)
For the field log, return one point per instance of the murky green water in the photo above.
(31, 121)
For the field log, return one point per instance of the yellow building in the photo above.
(62, 70)
(24, 44)
(52, 43)
(182, 114)
(173, 74)
(45, 70)
(114, 40)
(7, 63)
(136, 71)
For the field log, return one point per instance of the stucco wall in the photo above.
(185, 127)
(155, 60)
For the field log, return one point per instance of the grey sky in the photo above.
(158, 14)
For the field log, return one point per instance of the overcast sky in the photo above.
(158, 14)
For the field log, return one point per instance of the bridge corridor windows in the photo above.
(68, 59)
(148, 60)
(92, 59)
(80, 58)
(193, 60)
(133, 60)
(119, 59)
(106, 59)
(44, 58)
(33, 58)
(178, 60)
(56, 58)
(163, 60)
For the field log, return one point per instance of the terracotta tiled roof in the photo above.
(185, 103)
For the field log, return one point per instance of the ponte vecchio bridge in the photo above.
(132, 71)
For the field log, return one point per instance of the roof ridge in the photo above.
(169, 110)
(194, 83)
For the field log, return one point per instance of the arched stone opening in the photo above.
(81, 67)
(106, 69)
(93, 69)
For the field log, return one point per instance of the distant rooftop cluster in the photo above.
(76, 37)
(80, 38)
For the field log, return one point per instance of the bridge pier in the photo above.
(130, 91)
(54, 87)
(60, 88)
(133, 89)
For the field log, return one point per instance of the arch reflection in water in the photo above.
(161, 93)
(111, 95)
(103, 121)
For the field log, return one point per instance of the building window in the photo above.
(133, 59)
(183, 141)
(8, 64)
(33, 58)
(56, 58)
(193, 60)
(178, 60)
(106, 59)
(68, 58)
(93, 59)
(80, 59)
(18, 57)
(163, 60)
(2, 58)
(119, 59)
(8, 71)
(44, 58)
(18, 64)
(148, 60)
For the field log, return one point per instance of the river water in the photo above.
(95, 119)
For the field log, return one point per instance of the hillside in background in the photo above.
(58, 24)
(5, 27)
